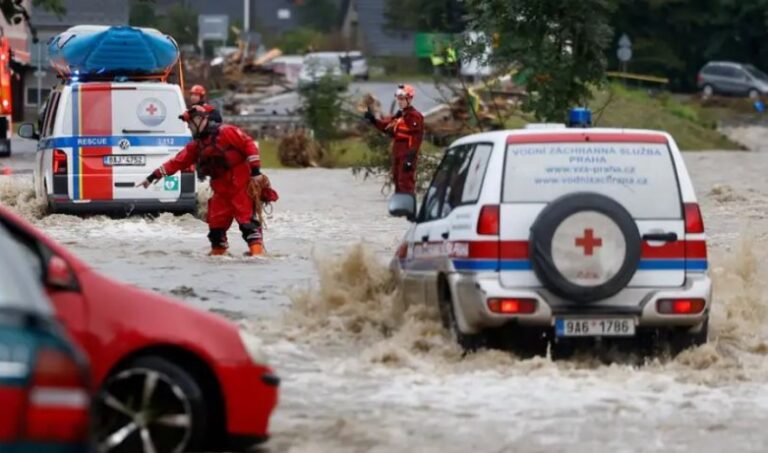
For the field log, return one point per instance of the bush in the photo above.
(300, 40)
(322, 103)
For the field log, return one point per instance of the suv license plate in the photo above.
(133, 160)
(594, 327)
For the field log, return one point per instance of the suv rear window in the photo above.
(640, 176)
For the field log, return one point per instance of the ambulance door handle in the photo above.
(661, 237)
(425, 238)
(446, 234)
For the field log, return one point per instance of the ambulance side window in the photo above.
(50, 114)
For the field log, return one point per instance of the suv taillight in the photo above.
(694, 223)
(488, 222)
(59, 162)
(58, 401)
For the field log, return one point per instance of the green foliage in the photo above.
(425, 15)
(300, 40)
(180, 21)
(675, 38)
(320, 15)
(142, 14)
(562, 44)
(322, 107)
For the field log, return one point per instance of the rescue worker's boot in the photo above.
(218, 238)
(255, 249)
(253, 236)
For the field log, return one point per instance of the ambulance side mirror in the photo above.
(27, 130)
(403, 205)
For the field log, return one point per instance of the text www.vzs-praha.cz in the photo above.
(600, 170)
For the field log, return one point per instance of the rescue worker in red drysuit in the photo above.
(407, 130)
(197, 96)
(231, 159)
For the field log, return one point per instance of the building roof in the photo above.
(379, 40)
(92, 12)
(264, 13)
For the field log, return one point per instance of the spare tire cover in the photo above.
(585, 247)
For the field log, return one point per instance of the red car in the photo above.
(169, 377)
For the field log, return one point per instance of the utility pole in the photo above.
(246, 16)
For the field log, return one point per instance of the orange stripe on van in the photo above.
(96, 119)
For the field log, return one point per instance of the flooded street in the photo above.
(363, 374)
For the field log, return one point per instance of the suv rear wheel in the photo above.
(680, 340)
(468, 342)
(707, 91)
(753, 94)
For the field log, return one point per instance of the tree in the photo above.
(434, 16)
(320, 15)
(562, 44)
(181, 23)
(142, 14)
(322, 107)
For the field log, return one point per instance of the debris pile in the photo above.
(298, 149)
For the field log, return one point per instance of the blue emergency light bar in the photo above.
(580, 117)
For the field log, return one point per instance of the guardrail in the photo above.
(641, 77)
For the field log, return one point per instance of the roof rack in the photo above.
(67, 77)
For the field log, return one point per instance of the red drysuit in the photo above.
(230, 158)
(407, 131)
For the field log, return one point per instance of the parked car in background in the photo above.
(44, 391)
(725, 77)
(354, 64)
(317, 65)
(168, 377)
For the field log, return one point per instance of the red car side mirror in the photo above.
(59, 274)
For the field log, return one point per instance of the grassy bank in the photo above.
(691, 125)
(345, 153)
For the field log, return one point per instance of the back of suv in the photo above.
(723, 77)
(564, 233)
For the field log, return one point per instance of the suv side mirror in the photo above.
(27, 130)
(59, 275)
(403, 205)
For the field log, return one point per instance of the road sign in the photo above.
(624, 52)
(624, 41)
(213, 27)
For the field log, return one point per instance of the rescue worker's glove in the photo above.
(409, 162)
(369, 116)
(398, 114)
(152, 178)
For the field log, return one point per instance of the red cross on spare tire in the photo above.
(585, 247)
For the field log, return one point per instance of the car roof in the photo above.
(20, 288)
(497, 136)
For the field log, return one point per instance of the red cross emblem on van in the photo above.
(589, 242)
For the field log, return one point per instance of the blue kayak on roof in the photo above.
(91, 49)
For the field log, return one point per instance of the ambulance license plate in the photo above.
(133, 160)
(594, 327)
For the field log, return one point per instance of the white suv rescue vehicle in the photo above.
(98, 138)
(562, 233)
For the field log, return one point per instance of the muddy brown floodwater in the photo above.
(363, 374)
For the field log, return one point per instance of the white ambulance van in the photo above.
(98, 138)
